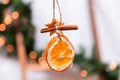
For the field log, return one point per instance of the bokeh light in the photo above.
(83, 73)
(33, 62)
(8, 20)
(42, 61)
(2, 27)
(2, 41)
(5, 1)
(15, 15)
(10, 48)
(33, 55)
(112, 66)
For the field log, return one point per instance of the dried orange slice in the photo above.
(60, 53)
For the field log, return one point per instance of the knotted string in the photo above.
(60, 15)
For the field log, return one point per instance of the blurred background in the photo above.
(97, 41)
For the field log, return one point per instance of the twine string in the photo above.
(60, 14)
(53, 9)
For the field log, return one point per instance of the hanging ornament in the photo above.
(60, 52)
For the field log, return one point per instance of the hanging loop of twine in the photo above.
(60, 14)
(58, 26)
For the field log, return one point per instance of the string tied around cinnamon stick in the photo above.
(55, 25)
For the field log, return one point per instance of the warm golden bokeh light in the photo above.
(33, 62)
(15, 15)
(2, 27)
(8, 20)
(5, 1)
(33, 55)
(42, 61)
(10, 48)
(112, 66)
(2, 41)
(83, 73)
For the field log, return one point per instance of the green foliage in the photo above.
(22, 8)
(92, 65)
(2, 7)
(23, 25)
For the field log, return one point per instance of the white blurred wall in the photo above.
(108, 27)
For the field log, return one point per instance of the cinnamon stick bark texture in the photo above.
(62, 27)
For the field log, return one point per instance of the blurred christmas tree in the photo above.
(15, 16)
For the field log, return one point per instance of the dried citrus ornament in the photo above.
(59, 53)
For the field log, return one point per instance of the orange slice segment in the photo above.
(60, 53)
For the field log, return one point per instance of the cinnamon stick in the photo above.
(62, 27)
